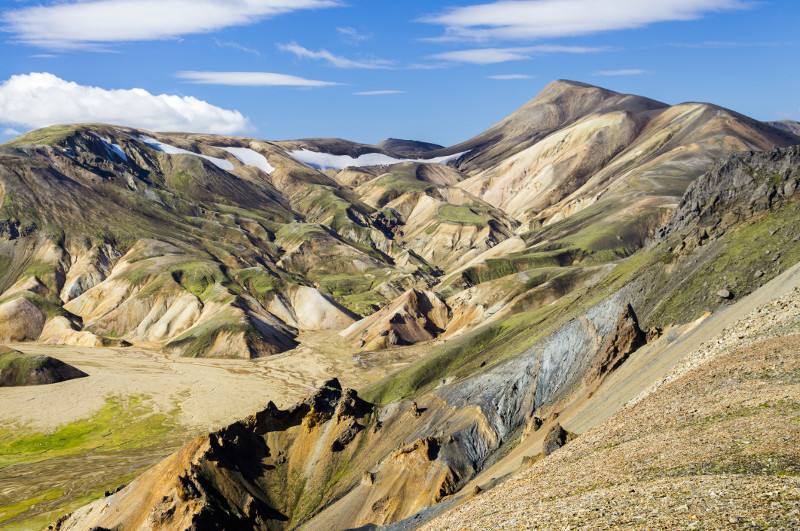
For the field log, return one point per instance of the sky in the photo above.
(366, 70)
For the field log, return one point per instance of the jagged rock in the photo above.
(653, 334)
(621, 343)
(758, 274)
(448, 485)
(346, 436)
(555, 439)
(724, 294)
(411, 318)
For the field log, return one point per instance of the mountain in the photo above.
(407, 148)
(581, 236)
(791, 126)
(473, 408)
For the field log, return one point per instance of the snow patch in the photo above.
(172, 150)
(249, 157)
(324, 161)
(112, 148)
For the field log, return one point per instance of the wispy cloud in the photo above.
(93, 24)
(485, 56)
(377, 92)
(11, 132)
(622, 72)
(236, 46)
(536, 19)
(334, 60)
(42, 99)
(510, 76)
(352, 35)
(250, 79)
(724, 44)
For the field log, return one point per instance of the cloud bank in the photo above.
(485, 56)
(537, 19)
(42, 99)
(95, 23)
(250, 79)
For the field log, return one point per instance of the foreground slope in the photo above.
(710, 448)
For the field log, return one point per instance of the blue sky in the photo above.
(439, 71)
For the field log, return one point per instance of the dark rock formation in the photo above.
(555, 439)
(626, 338)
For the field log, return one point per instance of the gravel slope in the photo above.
(712, 445)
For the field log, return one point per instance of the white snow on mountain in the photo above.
(325, 161)
(112, 148)
(250, 157)
(172, 150)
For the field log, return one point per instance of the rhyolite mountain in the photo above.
(407, 447)
(527, 249)
(230, 246)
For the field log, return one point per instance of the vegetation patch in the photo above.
(48, 136)
(198, 340)
(735, 265)
(462, 215)
(122, 423)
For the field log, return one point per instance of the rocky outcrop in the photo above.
(623, 341)
(555, 439)
(735, 188)
(21, 320)
(413, 317)
(18, 368)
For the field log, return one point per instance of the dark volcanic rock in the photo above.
(621, 343)
(555, 439)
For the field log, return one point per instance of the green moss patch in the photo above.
(462, 215)
(122, 423)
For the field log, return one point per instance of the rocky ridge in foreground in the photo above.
(709, 446)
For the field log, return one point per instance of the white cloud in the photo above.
(510, 76)
(352, 35)
(377, 92)
(236, 46)
(95, 23)
(250, 79)
(42, 99)
(535, 19)
(485, 56)
(11, 132)
(334, 60)
(623, 72)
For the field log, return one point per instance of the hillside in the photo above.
(479, 295)
(18, 368)
(694, 453)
